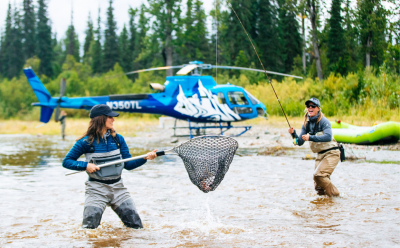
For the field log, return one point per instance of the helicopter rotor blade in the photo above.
(63, 86)
(251, 69)
(155, 69)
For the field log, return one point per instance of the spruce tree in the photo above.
(312, 7)
(96, 49)
(290, 35)
(350, 36)
(141, 60)
(167, 14)
(29, 30)
(89, 37)
(43, 40)
(72, 41)
(111, 54)
(336, 41)
(194, 43)
(200, 28)
(16, 49)
(269, 39)
(125, 53)
(6, 44)
(371, 22)
(232, 38)
(133, 42)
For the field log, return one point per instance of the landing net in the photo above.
(207, 159)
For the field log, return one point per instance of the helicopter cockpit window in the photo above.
(221, 98)
(253, 100)
(237, 98)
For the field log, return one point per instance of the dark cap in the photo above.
(315, 101)
(102, 109)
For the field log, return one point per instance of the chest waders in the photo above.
(105, 188)
(327, 159)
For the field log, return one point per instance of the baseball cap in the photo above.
(315, 101)
(102, 109)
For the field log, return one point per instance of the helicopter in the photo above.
(194, 98)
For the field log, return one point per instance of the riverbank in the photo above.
(130, 126)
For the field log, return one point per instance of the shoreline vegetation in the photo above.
(131, 125)
(370, 95)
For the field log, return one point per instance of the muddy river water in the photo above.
(263, 201)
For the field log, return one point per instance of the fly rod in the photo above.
(294, 135)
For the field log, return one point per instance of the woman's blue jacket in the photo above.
(82, 146)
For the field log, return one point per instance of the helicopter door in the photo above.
(238, 98)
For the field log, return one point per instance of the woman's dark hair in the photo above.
(95, 129)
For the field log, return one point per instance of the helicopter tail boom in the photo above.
(41, 93)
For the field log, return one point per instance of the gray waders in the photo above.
(100, 195)
(105, 188)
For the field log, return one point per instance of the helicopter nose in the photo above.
(260, 111)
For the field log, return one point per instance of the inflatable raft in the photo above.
(388, 132)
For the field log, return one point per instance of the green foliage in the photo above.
(88, 40)
(96, 50)
(364, 94)
(336, 41)
(72, 43)
(111, 50)
(44, 42)
(29, 29)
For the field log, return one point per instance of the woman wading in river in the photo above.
(317, 130)
(102, 144)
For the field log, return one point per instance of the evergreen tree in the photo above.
(133, 39)
(43, 40)
(268, 40)
(72, 41)
(312, 7)
(371, 20)
(143, 57)
(11, 47)
(125, 52)
(195, 44)
(111, 52)
(336, 41)
(29, 22)
(96, 49)
(89, 38)
(290, 35)
(167, 14)
(350, 36)
(16, 49)
(6, 44)
(216, 31)
(232, 38)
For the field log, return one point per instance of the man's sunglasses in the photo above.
(311, 106)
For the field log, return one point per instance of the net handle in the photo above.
(159, 153)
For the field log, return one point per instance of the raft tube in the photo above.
(388, 132)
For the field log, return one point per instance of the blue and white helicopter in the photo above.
(194, 98)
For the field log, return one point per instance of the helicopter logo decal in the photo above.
(204, 104)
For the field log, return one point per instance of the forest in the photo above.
(348, 54)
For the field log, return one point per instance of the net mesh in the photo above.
(207, 159)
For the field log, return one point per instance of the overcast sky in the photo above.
(59, 12)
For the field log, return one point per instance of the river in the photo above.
(263, 201)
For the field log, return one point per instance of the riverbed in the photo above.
(265, 199)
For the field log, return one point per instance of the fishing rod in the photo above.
(294, 134)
